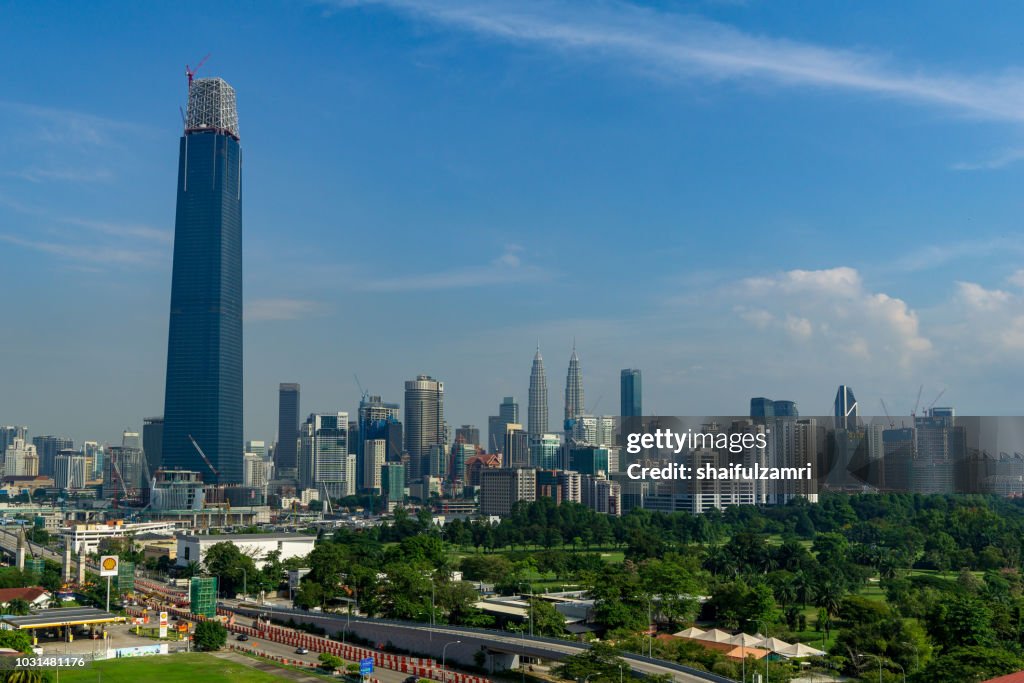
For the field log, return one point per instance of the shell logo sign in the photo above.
(108, 565)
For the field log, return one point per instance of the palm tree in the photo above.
(24, 676)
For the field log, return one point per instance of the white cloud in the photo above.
(833, 306)
(507, 269)
(280, 309)
(1017, 279)
(674, 45)
(978, 298)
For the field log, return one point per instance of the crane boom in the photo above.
(203, 456)
(885, 409)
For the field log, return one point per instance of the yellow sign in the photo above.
(108, 565)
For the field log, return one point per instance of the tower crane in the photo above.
(203, 456)
(885, 409)
(190, 72)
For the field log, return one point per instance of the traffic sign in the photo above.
(366, 666)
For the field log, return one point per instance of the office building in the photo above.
(153, 442)
(424, 422)
(21, 459)
(461, 453)
(324, 461)
(257, 471)
(257, 447)
(94, 459)
(70, 474)
(203, 397)
(47, 448)
(508, 412)
(537, 409)
(124, 475)
(501, 488)
(9, 433)
(544, 452)
(286, 452)
(438, 467)
(516, 452)
(377, 420)
(374, 457)
(467, 434)
(630, 393)
(392, 481)
(574, 400)
(592, 460)
(846, 411)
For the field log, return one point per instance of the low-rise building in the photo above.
(193, 548)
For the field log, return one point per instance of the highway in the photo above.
(543, 648)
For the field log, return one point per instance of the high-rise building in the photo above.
(378, 420)
(537, 409)
(256, 446)
(467, 434)
(573, 387)
(47, 448)
(501, 488)
(631, 393)
(508, 412)
(544, 452)
(424, 422)
(70, 471)
(130, 439)
(438, 467)
(846, 411)
(461, 454)
(9, 433)
(517, 447)
(153, 442)
(124, 476)
(392, 481)
(203, 398)
(592, 460)
(324, 460)
(21, 459)
(94, 455)
(256, 471)
(286, 453)
(762, 408)
(374, 454)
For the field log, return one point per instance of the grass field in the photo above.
(179, 668)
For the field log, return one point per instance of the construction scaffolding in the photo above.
(203, 596)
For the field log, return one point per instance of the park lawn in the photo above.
(176, 668)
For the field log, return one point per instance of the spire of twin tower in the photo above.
(537, 412)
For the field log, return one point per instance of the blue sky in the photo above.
(740, 198)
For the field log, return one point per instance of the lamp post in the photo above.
(650, 629)
(245, 584)
(764, 624)
(444, 672)
(877, 659)
(902, 670)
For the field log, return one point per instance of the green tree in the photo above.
(969, 665)
(210, 635)
(330, 662)
(18, 606)
(601, 662)
(231, 567)
(16, 640)
(547, 621)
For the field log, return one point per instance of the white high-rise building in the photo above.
(374, 455)
(69, 472)
(21, 459)
(257, 447)
(256, 470)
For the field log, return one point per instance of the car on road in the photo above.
(301, 651)
(242, 636)
(411, 679)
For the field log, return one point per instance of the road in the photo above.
(544, 648)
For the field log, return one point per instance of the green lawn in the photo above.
(177, 668)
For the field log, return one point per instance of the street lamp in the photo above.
(904, 671)
(444, 672)
(764, 624)
(877, 659)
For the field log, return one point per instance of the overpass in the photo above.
(504, 648)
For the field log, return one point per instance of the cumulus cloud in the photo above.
(834, 306)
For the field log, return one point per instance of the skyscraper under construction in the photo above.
(203, 398)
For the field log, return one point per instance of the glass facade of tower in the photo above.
(631, 393)
(203, 398)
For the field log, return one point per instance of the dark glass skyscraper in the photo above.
(286, 454)
(631, 393)
(203, 399)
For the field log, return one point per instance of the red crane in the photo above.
(190, 72)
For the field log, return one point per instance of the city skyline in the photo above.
(836, 202)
